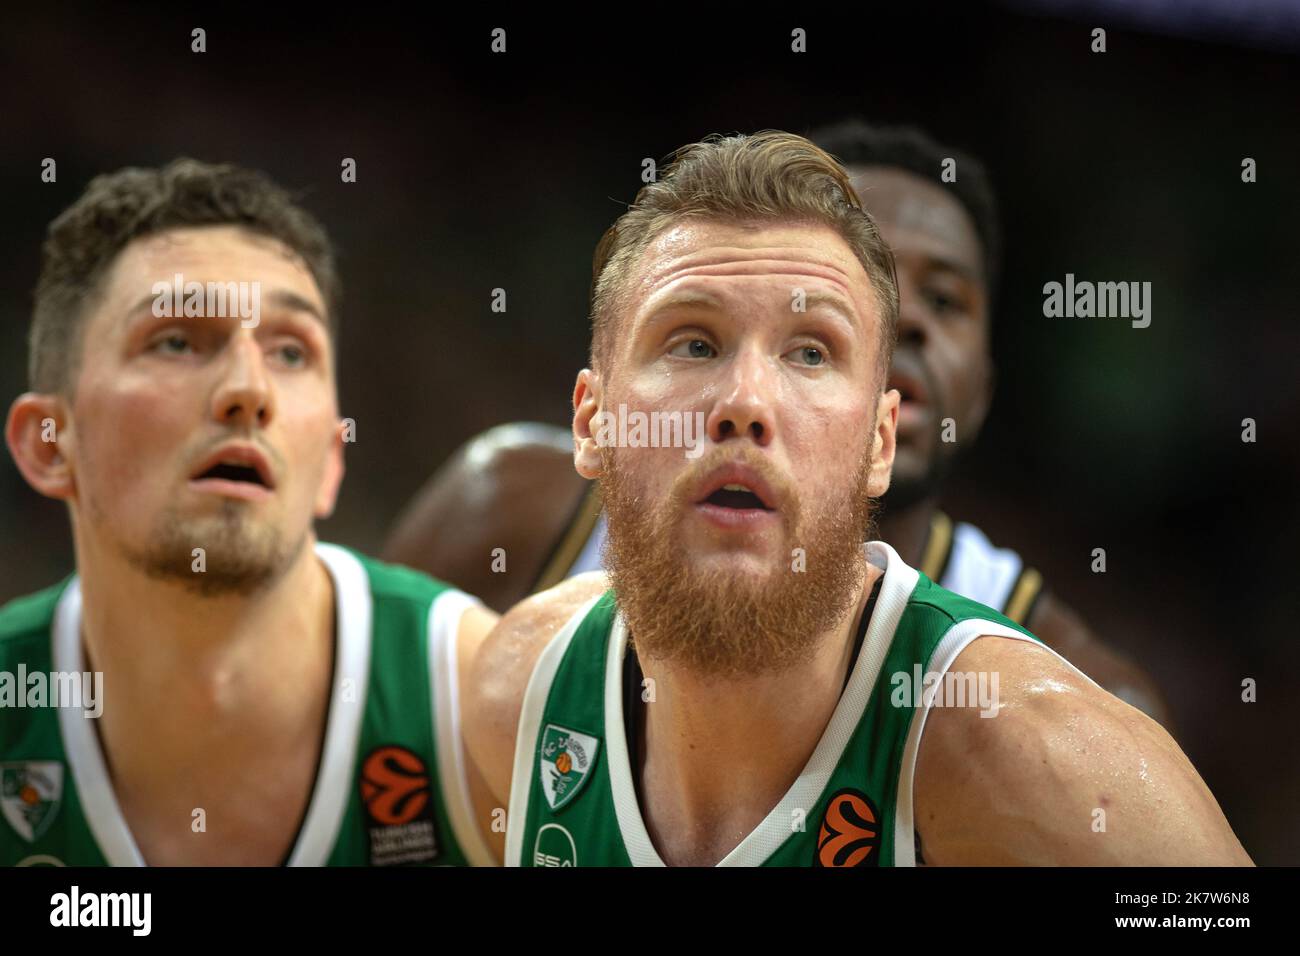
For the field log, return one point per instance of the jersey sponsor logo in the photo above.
(31, 792)
(397, 794)
(850, 831)
(566, 761)
(554, 847)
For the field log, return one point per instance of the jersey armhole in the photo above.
(444, 677)
(958, 638)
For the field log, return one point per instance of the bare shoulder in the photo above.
(1063, 630)
(494, 694)
(1063, 773)
(511, 487)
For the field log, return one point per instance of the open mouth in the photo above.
(909, 389)
(228, 471)
(236, 470)
(737, 496)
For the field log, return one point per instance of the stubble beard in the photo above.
(240, 557)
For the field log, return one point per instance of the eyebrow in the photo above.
(279, 298)
(945, 264)
(293, 302)
(679, 300)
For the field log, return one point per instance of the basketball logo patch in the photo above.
(850, 831)
(397, 795)
(566, 759)
(30, 794)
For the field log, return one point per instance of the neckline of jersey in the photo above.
(896, 586)
(323, 815)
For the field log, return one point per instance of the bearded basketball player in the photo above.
(514, 487)
(737, 692)
(263, 698)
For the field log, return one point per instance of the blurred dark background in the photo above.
(478, 171)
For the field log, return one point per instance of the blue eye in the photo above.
(173, 344)
(812, 356)
(695, 348)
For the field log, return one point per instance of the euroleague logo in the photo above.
(394, 785)
(850, 831)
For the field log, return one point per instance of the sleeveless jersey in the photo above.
(573, 799)
(390, 785)
(958, 556)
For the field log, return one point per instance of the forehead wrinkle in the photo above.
(741, 260)
(661, 280)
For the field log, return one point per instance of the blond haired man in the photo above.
(753, 685)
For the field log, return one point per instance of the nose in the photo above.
(913, 319)
(243, 397)
(745, 402)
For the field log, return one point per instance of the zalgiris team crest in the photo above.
(30, 794)
(566, 761)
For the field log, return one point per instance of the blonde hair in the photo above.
(770, 176)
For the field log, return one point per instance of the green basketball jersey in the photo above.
(573, 799)
(390, 787)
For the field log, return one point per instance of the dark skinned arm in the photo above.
(512, 487)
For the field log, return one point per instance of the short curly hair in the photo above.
(119, 207)
(855, 142)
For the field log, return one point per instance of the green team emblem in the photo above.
(30, 794)
(567, 758)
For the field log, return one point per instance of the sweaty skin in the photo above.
(1064, 774)
(1059, 748)
(1034, 785)
(514, 487)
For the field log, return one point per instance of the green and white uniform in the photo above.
(573, 798)
(390, 786)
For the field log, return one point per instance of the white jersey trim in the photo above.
(957, 639)
(444, 677)
(899, 582)
(329, 799)
(81, 744)
(530, 721)
(343, 725)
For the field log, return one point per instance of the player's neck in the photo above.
(906, 530)
(718, 755)
(174, 661)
